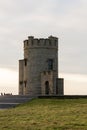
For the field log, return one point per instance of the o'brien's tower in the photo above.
(38, 71)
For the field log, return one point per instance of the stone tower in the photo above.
(38, 71)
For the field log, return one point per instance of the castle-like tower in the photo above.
(38, 71)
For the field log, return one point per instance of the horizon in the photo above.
(70, 82)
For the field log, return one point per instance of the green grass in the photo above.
(46, 114)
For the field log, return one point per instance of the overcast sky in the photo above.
(66, 19)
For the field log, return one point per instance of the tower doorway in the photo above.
(46, 87)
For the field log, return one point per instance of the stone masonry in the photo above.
(38, 71)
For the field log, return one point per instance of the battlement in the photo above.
(35, 42)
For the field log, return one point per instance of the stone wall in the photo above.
(60, 86)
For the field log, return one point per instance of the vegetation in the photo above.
(46, 114)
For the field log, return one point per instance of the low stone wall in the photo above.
(63, 97)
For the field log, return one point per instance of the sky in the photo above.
(65, 19)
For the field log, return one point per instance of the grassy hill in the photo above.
(46, 114)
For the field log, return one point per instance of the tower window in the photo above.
(50, 64)
(25, 62)
(21, 82)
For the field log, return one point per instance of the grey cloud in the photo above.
(65, 19)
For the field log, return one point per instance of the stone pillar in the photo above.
(21, 76)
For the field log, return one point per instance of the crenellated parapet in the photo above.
(49, 42)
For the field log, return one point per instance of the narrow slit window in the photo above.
(25, 62)
(50, 64)
(21, 82)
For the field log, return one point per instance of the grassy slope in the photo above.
(46, 114)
